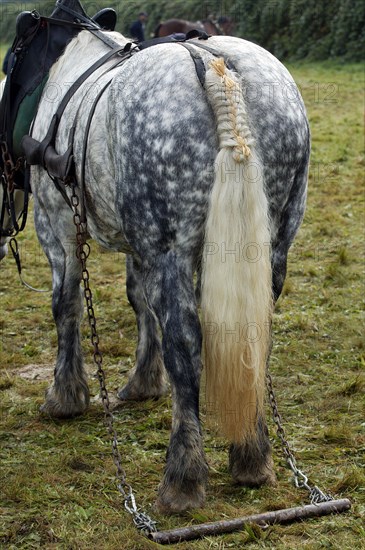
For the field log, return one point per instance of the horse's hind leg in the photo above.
(69, 394)
(251, 463)
(170, 292)
(147, 379)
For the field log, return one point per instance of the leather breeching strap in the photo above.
(43, 152)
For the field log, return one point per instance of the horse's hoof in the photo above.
(172, 500)
(54, 410)
(55, 407)
(255, 477)
(130, 393)
(126, 394)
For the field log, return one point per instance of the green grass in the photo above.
(3, 49)
(58, 489)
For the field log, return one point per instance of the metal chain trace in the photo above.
(300, 479)
(9, 167)
(142, 521)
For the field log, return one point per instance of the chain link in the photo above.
(300, 479)
(9, 167)
(142, 521)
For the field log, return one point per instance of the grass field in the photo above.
(58, 489)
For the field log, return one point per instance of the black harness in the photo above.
(61, 167)
(38, 43)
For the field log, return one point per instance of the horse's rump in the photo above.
(151, 110)
(155, 99)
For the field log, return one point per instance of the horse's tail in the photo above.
(236, 271)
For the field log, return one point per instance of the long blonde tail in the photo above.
(236, 274)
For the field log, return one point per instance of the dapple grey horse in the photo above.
(184, 178)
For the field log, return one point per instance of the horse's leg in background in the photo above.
(169, 289)
(147, 379)
(69, 394)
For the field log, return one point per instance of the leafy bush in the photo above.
(294, 29)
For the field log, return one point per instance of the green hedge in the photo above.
(290, 29)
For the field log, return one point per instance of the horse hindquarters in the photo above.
(170, 292)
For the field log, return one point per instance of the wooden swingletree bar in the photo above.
(286, 515)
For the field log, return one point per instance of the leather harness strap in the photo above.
(200, 70)
(88, 24)
(44, 153)
(60, 167)
(86, 136)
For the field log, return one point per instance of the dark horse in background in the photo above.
(221, 26)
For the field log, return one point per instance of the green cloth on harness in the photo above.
(26, 112)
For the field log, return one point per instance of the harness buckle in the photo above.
(35, 15)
